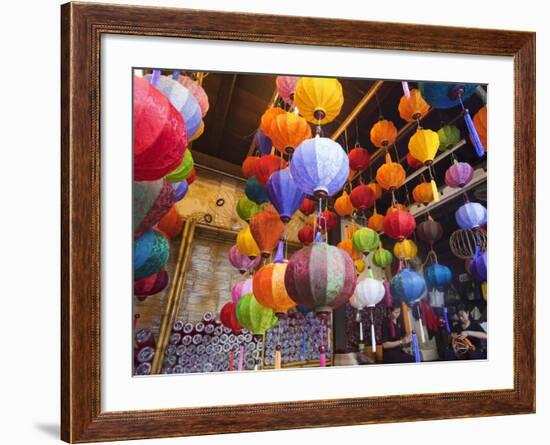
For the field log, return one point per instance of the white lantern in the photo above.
(368, 293)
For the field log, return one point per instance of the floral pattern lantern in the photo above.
(471, 215)
(449, 136)
(266, 166)
(151, 201)
(408, 286)
(267, 229)
(286, 86)
(405, 250)
(183, 170)
(249, 166)
(459, 174)
(365, 240)
(306, 235)
(399, 224)
(390, 175)
(253, 316)
(254, 191)
(246, 243)
(359, 159)
(383, 133)
(414, 107)
(268, 286)
(343, 205)
(319, 99)
(284, 194)
(228, 317)
(362, 197)
(151, 251)
(240, 261)
(151, 285)
(287, 131)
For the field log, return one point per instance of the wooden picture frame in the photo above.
(82, 26)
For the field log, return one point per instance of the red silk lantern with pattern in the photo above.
(267, 229)
(399, 224)
(249, 166)
(359, 159)
(383, 133)
(306, 235)
(268, 286)
(307, 207)
(266, 166)
(228, 317)
(362, 197)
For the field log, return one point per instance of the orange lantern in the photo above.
(171, 223)
(343, 205)
(268, 117)
(423, 193)
(249, 166)
(414, 107)
(376, 189)
(287, 131)
(383, 133)
(268, 286)
(347, 246)
(480, 123)
(267, 229)
(394, 207)
(390, 175)
(375, 222)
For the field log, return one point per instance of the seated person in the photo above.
(467, 338)
(394, 338)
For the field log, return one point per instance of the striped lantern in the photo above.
(151, 201)
(471, 215)
(284, 194)
(268, 286)
(151, 251)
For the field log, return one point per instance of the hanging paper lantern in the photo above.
(438, 277)
(246, 243)
(160, 135)
(423, 145)
(307, 207)
(151, 251)
(445, 95)
(254, 191)
(191, 178)
(412, 162)
(376, 189)
(343, 205)
(263, 143)
(286, 85)
(362, 197)
(376, 222)
(478, 266)
(471, 215)
(365, 240)
(382, 258)
(414, 107)
(249, 166)
(306, 234)
(172, 223)
(180, 189)
(394, 207)
(284, 194)
(253, 316)
(320, 167)
(151, 201)
(429, 231)
(480, 124)
(197, 91)
(241, 288)
(422, 193)
(359, 159)
(320, 275)
(459, 174)
(240, 261)
(228, 317)
(449, 136)
(368, 293)
(348, 247)
(246, 208)
(267, 229)
(405, 250)
(359, 265)
(287, 131)
(319, 99)
(390, 175)
(408, 286)
(266, 166)
(198, 133)
(181, 171)
(151, 285)
(399, 224)
(268, 286)
(328, 221)
(268, 117)
(383, 133)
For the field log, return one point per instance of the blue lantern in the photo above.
(284, 194)
(438, 276)
(471, 215)
(478, 266)
(445, 95)
(181, 189)
(254, 191)
(320, 167)
(408, 286)
(151, 251)
(263, 143)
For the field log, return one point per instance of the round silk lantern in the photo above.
(438, 277)
(182, 171)
(198, 133)
(422, 193)
(286, 85)
(320, 275)
(359, 159)
(228, 317)
(383, 133)
(268, 117)
(306, 234)
(343, 205)
(362, 197)
(405, 250)
(268, 286)
(267, 229)
(246, 243)
(480, 124)
(328, 221)
(319, 99)
(408, 286)
(347, 246)
(172, 223)
(240, 261)
(459, 174)
(423, 145)
(249, 166)
(151, 251)
(376, 222)
(396, 206)
(241, 288)
(359, 265)
(390, 175)
(253, 316)
(429, 231)
(414, 107)
(151, 201)
(449, 136)
(151, 285)
(160, 135)
(368, 293)
(263, 143)
(287, 131)
(247, 208)
(266, 166)
(471, 215)
(399, 224)
(412, 162)
(445, 95)
(478, 266)
(382, 258)
(365, 240)
(320, 167)
(307, 207)
(197, 91)
(376, 189)
(180, 189)
(284, 194)
(254, 191)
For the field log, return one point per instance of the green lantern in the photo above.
(247, 208)
(449, 135)
(253, 316)
(365, 240)
(182, 171)
(382, 258)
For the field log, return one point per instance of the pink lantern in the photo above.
(286, 85)
(197, 91)
(459, 174)
(240, 261)
(241, 288)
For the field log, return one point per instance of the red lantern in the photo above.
(362, 197)
(327, 221)
(267, 165)
(399, 224)
(307, 207)
(305, 235)
(228, 317)
(359, 159)
(249, 166)
(192, 176)
(412, 162)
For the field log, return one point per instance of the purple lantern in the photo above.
(459, 174)
(471, 215)
(478, 266)
(241, 288)
(263, 143)
(320, 167)
(284, 194)
(181, 189)
(240, 261)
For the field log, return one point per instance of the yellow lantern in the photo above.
(484, 290)
(414, 107)
(246, 244)
(319, 99)
(423, 146)
(343, 205)
(405, 250)
(359, 265)
(383, 133)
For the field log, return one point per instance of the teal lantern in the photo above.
(151, 251)
(438, 276)
(408, 285)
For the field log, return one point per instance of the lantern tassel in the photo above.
(278, 358)
(360, 329)
(415, 348)
(435, 192)
(373, 336)
(231, 358)
(155, 77)
(175, 74)
(480, 150)
(446, 318)
(422, 335)
(304, 344)
(323, 359)
(241, 358)
(406, 90)
(279, 256)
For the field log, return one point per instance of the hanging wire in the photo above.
(357, 143)
(380, 114)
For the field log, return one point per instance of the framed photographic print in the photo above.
(279, 222)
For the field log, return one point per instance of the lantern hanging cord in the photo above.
(380, 114)
(357, 143)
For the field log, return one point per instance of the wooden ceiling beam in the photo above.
(272, 103)
(220, 110)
